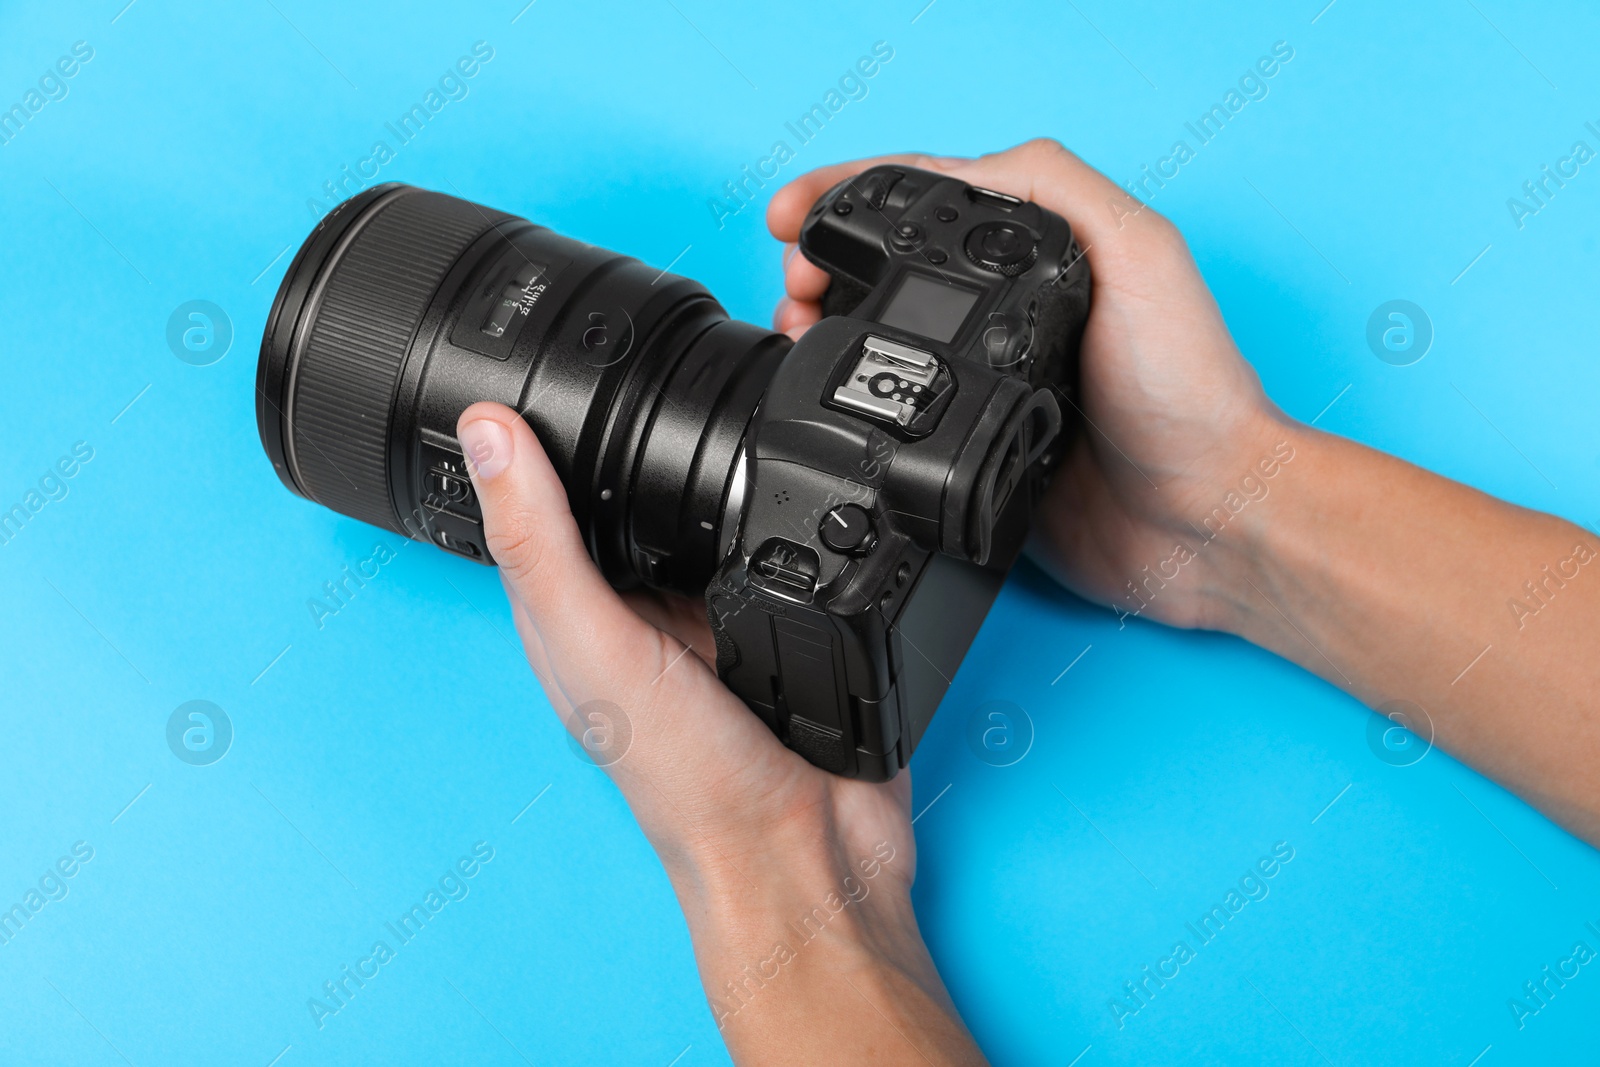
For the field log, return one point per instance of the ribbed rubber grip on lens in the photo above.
(365, 314)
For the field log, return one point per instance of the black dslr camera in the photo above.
(848, 504)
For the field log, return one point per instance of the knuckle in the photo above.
(1043, 150)
(1145, 232)
(515, 544)
(1164, 234)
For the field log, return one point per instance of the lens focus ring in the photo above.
(363, 312)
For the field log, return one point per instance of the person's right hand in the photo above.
(1391, 582)
(795, 883)
(1176, 417)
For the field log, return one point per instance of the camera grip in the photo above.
(810, 675)
(843, 296)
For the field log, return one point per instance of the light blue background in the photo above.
(380, 748)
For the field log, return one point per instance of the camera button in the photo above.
(847, 528)
(875, 187)
(451, 486)
(907, 237)
(460, 546)
(936, 256)
(1003, 247)
(947, 214)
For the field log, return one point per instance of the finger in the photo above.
(1043, 171)
(806, 283)
(793, 318)
(1102, 213)
(681, 729)
(533, 648)
(788, 207)
(682, 617)
(804, 280)
(535, 541)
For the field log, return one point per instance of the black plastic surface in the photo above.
(847, 555)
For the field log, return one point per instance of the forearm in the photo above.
(816, 958)
(1397, 584)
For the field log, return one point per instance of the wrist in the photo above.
(797, 919)
(791, 885)
(1236, 533)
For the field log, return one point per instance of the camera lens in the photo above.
(404, 306)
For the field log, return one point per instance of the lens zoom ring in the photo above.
(370, 309)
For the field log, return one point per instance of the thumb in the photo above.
(594, 644)
(675, 719)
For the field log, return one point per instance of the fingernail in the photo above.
(788, 253)
(487, 445)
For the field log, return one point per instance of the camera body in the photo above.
(891, 470)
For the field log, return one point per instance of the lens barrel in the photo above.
(405, 306)
(339, 334)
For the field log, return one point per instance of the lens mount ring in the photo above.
(733, 502)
